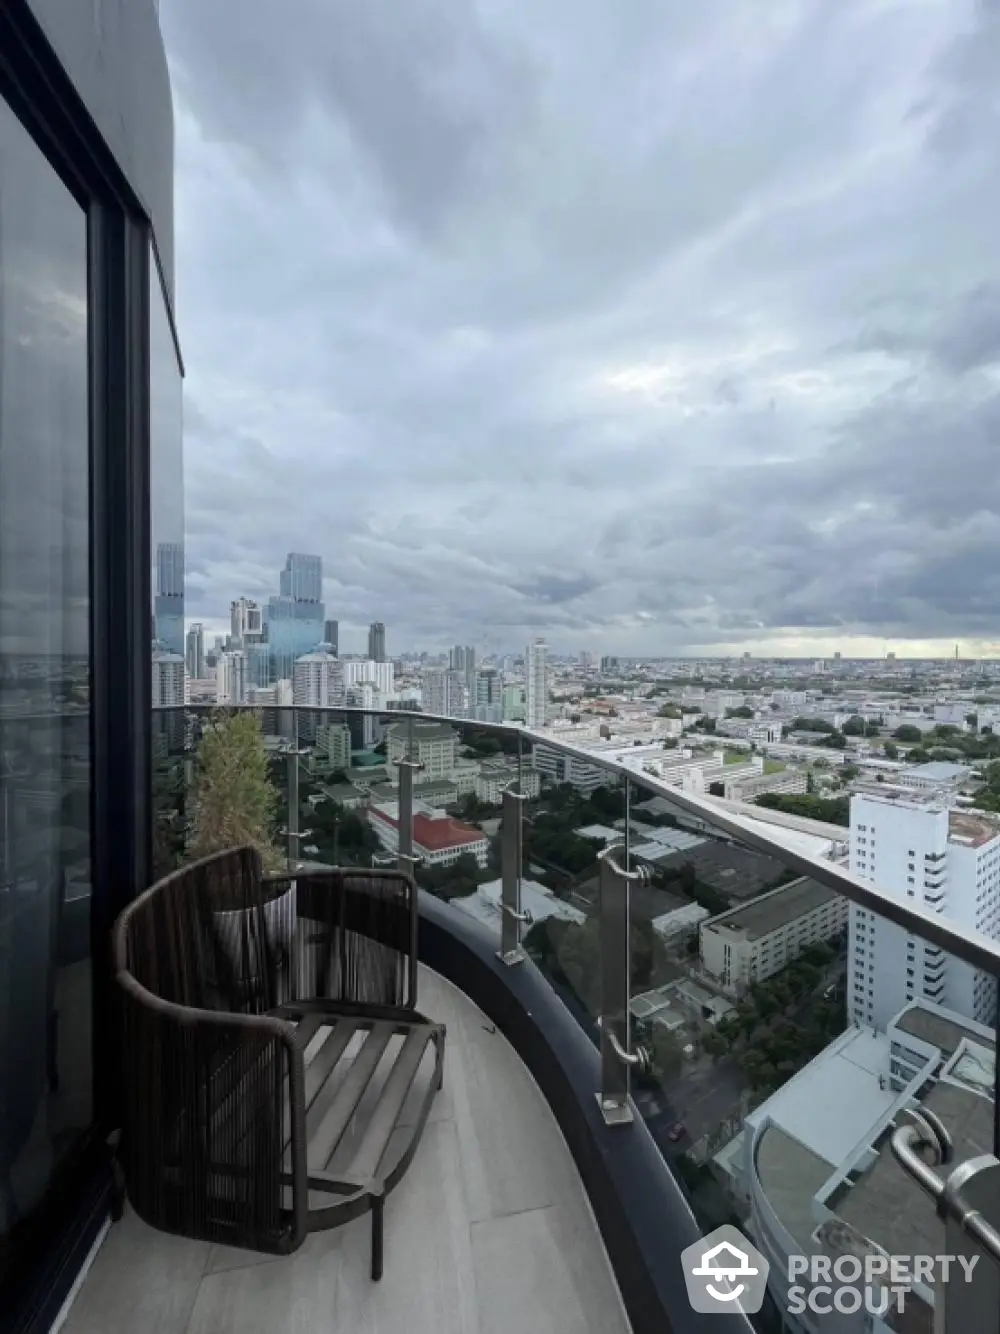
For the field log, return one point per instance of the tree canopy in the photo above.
(234, 801)
(833, 810)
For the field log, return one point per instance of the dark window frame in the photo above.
(121, 239)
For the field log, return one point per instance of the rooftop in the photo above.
(512, 1245)
(939, 771)
(888, 1206)
(942, 1030)
(833, 1103)
(536, 899)
(791, 1175)
(778, 907)
(602, 831)
(974, 830)
(423, 731)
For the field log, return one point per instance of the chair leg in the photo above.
(378, 1209)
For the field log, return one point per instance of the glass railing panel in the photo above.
(219, 776)
(171, 766)
(577, 813)
(342, 768)
(775, 1033)
(458, 795)
(788, 1030)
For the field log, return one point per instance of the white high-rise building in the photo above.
(168, 680)
(486, 696)
(365, 695)
(382, 675)
(536, 677)
(246, 621)
(195, 657)
(318, 681)
(445, 692)
(944, 861)
(231, 677)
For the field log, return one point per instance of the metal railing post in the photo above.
(614, 936)
(512, 917)
(294, 834)
(405, 859)
(969, 1203)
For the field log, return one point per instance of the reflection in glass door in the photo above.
(45, 761)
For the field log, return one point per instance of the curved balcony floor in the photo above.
(490, 1230)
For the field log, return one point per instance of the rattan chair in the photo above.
(271, 1046)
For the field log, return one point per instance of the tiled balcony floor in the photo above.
(488, 1232)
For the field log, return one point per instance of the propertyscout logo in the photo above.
(724, 1272)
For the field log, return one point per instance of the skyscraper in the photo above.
(246, 622)
(168, 605)
(168, 680)
(382, 675)
(536, 680)
(195, 654)
(231, 677)
(376, 641)
(445, 692)
(296, 618)
(302, 578)
(943, 861)
(318, 681)
(486, 696)
(331, 636)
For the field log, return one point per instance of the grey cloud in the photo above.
(640, 326)
(556, 588)
(972, 338)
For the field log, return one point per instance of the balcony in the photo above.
(490, 1225)
(610, 1096)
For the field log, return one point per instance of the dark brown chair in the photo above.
(257, 1011)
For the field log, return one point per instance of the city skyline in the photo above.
(549, 363)
(304, 573)
(353, 642)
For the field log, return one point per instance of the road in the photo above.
(705, 1095)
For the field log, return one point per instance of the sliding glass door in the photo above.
(46, 1104)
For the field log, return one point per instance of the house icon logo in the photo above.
(725, 1273)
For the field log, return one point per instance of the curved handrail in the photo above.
(964, 944)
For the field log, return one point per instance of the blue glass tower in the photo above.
(168, 605)
(296, 617)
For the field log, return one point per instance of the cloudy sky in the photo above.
(650, 326)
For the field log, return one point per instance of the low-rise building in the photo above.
(749, 787)
(438, 838)
(347, 795)
(937, 776)
(433, 745)
(752, 942)
(679, 922)
(495, 776)
(559, 767)
(332, 750)
(536, 898)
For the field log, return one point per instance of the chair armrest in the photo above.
(213, 1109)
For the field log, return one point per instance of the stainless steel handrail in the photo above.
(927, 1132)
(640, 874)
(524, 916)
(964, 944)
(637, 1059)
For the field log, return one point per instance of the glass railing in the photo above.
(774, 1017)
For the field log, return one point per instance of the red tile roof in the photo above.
(436, 835)
(447, 833)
